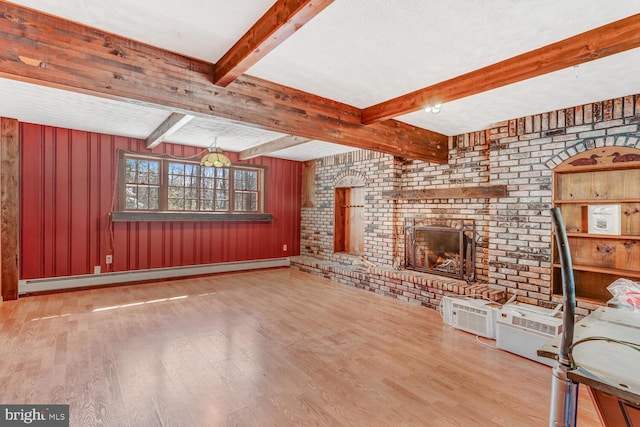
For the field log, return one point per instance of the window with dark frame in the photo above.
(167, 184)
(142, 184)
(245, 189)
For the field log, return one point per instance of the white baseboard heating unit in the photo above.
(523, 328)
(471, 315)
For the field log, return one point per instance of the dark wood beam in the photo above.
(171, 124)
(77, 58)
(283, 19)
(9, 202)
(477, 192)
(271, 146)
(616, 37)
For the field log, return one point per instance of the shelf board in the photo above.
(603, 270)
(594, 201)
(603, 236)
(591, 300)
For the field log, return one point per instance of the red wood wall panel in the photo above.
(68, 188)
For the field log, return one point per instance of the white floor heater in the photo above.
(471, 315)
(523, 328)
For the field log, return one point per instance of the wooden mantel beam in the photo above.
(471, 192)
(70, 56)
(616, 37)
(283, 19)
(272, 146)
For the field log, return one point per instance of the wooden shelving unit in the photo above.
(600, 177)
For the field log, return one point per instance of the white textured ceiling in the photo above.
(362, 52)
(359, 52)
(203, 29)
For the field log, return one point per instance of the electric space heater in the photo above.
(471, 315)
(522, 329)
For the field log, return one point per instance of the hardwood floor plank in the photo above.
(274, 347)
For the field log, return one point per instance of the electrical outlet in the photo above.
(284, 248)
(109, 259)
(96, 269)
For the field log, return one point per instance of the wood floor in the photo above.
(275, 347)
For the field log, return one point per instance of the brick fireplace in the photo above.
(512, 231)
(444, 247)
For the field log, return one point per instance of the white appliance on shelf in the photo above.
(523, 328)
(471, 315)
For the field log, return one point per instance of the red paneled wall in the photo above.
(68, 188)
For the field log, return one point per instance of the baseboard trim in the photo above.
(104, 279)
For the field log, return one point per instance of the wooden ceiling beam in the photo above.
(74, 57)
(616, 37)
(171, 125)
(283, 19)
(272, 146)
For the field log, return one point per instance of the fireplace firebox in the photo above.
(441, 246)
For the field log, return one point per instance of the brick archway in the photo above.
(626, 140)
(350, 179)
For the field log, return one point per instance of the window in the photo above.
(245, 189)
(169, 185)
(193, 187)
(142, 184)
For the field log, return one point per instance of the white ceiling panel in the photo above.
(318, 148)
(231, 136)
(54, 107)
(362, 52)
(606, 78)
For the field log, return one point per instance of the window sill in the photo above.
(126, 216)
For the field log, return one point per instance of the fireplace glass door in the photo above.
(444, 247)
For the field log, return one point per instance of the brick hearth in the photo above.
(409, 286)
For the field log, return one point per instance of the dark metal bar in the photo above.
(564, 392)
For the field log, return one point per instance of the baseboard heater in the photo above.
(102, 279)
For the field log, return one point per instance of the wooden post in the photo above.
(9, 170)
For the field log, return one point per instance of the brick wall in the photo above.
(469, 165)
(513, 233)
(523, 154)
(379, 172)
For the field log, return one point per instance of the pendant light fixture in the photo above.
(215, 157)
